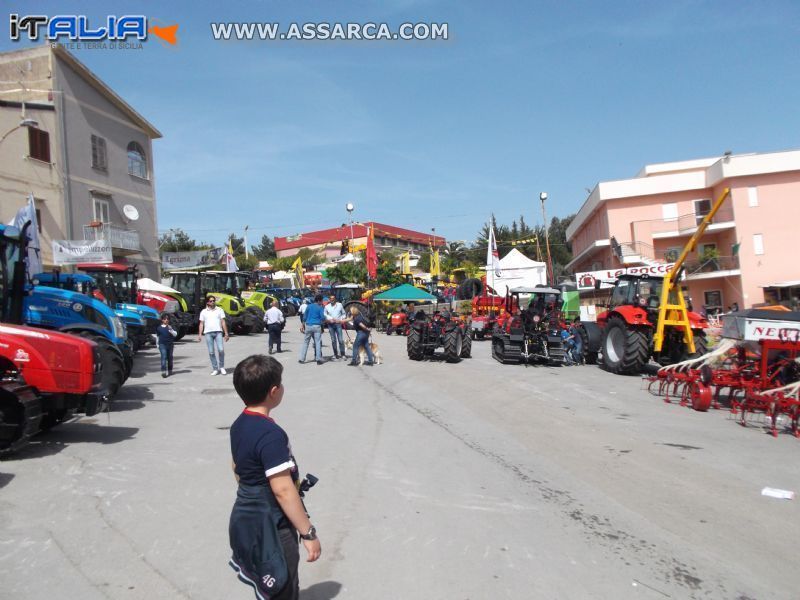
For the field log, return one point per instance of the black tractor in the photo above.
(532, 334)
(439, 330)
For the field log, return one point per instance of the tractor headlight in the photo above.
(120, 331)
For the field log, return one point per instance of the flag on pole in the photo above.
(371, 256)
(435, 268)
(27, 213)
(405, 263)
(492, 256)
(230, 261)
(297, 267)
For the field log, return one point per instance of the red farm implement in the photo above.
(755, 371)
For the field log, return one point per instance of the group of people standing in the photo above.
(315, 316)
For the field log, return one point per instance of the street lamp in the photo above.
(551, 275)
(350, 208)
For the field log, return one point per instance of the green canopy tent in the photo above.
(404, 293)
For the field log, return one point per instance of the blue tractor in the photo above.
(76, 314)
(140, 321)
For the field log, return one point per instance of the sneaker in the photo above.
(301, 361)
(164, 374)
(215, 372)
(319, 362)
(352, 364)
(369, 364)
(222, 371)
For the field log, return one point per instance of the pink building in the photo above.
(646, 221)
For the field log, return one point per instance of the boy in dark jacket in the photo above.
(268, 513)
(165, 335)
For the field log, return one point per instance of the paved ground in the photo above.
(437, 481)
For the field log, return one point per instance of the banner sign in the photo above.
(607, 278)
(72, 252)
(193, 258)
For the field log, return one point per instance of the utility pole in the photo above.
(246, 251)
(550, 274)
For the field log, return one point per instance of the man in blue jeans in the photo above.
(214, 327)
(312, 327)
(334, 317)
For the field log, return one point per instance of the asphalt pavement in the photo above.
(436, 481)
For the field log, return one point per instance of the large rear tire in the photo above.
(626, 350)
(414, 345)
(453, 344)
(113, 374)
(20, 415)
(257, 322)
(466, 347)
(291, 309)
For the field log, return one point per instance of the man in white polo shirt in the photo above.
(214, 327)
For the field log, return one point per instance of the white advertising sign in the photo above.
(783, 331)
(72, 252)
(606, 278)
(193, 258)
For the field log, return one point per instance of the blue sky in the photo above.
(523, 97)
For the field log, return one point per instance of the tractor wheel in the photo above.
(625, 350)
(466, 347)
(20, 415)
(181, 333)
(113, 372)
(257, 318)
(589, 357)
(453, 344)
(291, 310)
(700, 344)
(414, 345)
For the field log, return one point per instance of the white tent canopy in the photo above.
(517, 271)
(153, 286)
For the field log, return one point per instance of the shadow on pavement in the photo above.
(321, 591)
(5, 479)
(132, 397)
(54, 441)
(144, 364)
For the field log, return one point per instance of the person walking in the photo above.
(362, 338)
(215, 329)
(334, 317)
(275, 321)
(312, 328)
(166, 342)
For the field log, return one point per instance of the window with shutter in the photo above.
(38, 144)
(99, 160)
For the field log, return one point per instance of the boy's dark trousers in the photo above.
(166, 357)
(274, 330)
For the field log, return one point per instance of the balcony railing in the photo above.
(682, 225)
(712, 265)
(117, 237)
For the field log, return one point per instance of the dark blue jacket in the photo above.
(165, 338)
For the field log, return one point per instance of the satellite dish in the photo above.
(130, 212)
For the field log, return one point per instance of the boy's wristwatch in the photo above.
(311, 535)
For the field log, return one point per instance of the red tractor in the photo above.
(399, 323)
(631, 321)
(439, 330)
(44, 375)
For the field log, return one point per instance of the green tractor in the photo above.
(195, 286)
(235, 283)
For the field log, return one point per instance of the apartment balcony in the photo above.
(683, 226)
(710, 268)
(122, 241)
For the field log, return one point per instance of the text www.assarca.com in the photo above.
(329, 31)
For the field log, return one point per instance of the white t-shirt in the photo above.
(212, 319)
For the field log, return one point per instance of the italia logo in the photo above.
(77, 28)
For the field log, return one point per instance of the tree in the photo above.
(177, 240)
(348, 272)
(424, 262)
(265, 250)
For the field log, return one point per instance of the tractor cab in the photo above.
(236, 284)
(196, 286)
(637, 290)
